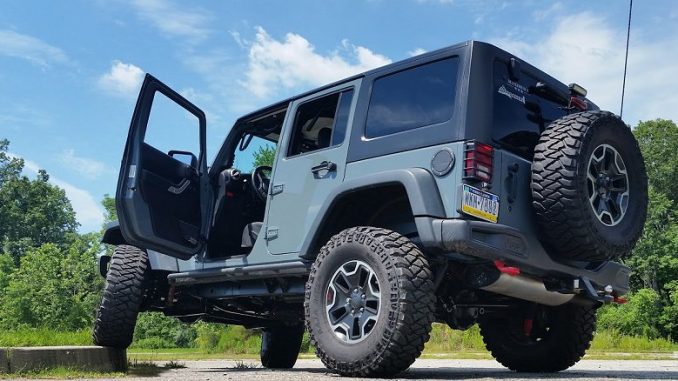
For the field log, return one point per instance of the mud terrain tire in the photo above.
(126, 282)
(405, 309)
(569, 335)
(584, 161)
(280, 346)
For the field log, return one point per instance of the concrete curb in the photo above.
(98, 359)
(4, 361)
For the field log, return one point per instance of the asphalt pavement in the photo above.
(423, 369)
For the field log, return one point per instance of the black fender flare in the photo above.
(113, 234)
(156, 260)
(419, 184)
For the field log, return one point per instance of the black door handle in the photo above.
(324, 166)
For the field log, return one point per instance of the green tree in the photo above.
(658, 140)
(32, 212)
(654, 260)
(6, 270)
(53, 287)
(669, 315)
(10, 167)
(155, 330)
(109, 206)
(264, 155)
(639, 317)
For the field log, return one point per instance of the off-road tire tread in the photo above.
(566, 224)
(415, 309)
(123, 295)
(574, 340)
(284, 346)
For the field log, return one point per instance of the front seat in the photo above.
(250, 234)
(324, 137)
(226, 221)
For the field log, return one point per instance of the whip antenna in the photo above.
(626, 59)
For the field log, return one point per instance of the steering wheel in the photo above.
(260, 181)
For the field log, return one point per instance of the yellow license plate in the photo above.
(479, 204)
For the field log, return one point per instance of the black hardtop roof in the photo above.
(413, 60)
(487, 48)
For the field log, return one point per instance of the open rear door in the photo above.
(163, 189)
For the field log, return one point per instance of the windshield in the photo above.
(255, 151)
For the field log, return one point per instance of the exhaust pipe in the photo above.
(508, 281)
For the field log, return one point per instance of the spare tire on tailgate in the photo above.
(589, 187)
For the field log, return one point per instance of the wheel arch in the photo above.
(390, 199)
(113, 234)
(156, 261)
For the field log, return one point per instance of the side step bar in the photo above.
(284, 269)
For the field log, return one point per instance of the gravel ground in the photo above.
(424, 369)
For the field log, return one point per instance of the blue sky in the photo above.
(70, 70)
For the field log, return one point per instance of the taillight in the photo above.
(478, 161)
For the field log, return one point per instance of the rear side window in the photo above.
(412, 98)
(519, 116)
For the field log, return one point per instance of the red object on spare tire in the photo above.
(589, 187)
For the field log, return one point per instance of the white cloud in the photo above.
(416, 52)
(238, 39)
(122, 79)
(293, 62)
(31, 49)
(87, 167)
(88, 211)
(584, 48)
(553, 9)
(175, 21)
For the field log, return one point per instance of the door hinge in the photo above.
(271, 232)
(277, 189)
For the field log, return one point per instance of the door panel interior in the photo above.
(161, 201)
(171, 190)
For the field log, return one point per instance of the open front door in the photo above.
(163, 189)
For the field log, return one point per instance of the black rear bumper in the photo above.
(485, 240)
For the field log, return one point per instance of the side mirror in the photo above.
(185, 157)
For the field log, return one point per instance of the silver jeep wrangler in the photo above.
(461, 186)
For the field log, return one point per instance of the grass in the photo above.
(614, 341)
(60, 373)
(135, 368)
(445, 340)
(33, 337)
(236, 343)
(174, 365)
(185, 354)
(243, 365)
(446, 343)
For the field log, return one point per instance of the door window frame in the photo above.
(290, 124)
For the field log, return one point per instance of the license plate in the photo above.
(480, 204)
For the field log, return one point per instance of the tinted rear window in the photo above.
(413, 98)
(519, 117)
